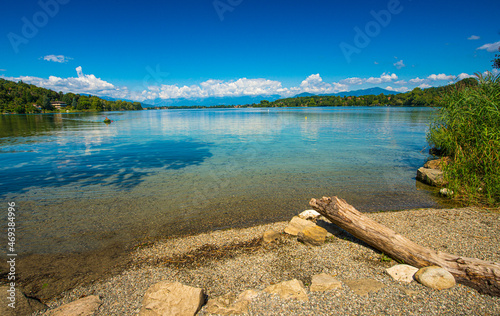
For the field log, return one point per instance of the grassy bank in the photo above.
(467, 130)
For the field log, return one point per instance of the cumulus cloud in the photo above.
(57, 58)
(401, 89)
(80, 84)
(417, 80)
(440, 77)
(463, 75)
(352, 81)
(424, 86)
(315, 84)
(492, 47)
(473, 38)
(400, 82)
(399, 64)
(385, 77)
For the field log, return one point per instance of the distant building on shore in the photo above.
(58, 104)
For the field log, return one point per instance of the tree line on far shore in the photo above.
(21, 98)
(417, 97)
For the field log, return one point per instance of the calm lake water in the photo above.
(80, 184)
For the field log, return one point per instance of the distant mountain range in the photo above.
(354, 93)
(253, 99)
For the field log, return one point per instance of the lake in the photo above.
(80, 184)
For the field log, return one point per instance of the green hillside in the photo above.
(20, 97)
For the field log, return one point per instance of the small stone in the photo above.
(435, 277)
(446, 192)
(297, 225)
(293, 289)
(364, 286)
(402, 272)
(309, 215)
(314, 236)
(324, 282)
(271, 236)
(86, 306)
(173, 299)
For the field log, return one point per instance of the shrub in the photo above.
(467, 129)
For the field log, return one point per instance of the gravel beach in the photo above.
(236, 260)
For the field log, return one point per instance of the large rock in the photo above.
(314, 236)
(172, 299)
(402, 272)
(22, 304)
(297, 225)
(324, 282)
(86, 306)
(230, 304)
(364, 286)
(271, 236)
(293, 289)
(432, 177)
(437, 163)
(309, 215)
(435, 277)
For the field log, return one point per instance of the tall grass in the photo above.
(467, 129)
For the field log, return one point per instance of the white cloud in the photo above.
(3, 69)
(424, 86)
(399, 64)
(81, 84)
(57, 58)
(352, 81)
(315, 84)
(463, 75)
(401, 89)
(376, 63)
(473, 38)
(401, 82)
(492, 47)
(441, 77)
(383, 78)
(417, 80)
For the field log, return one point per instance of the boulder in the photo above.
(227, 305)
(432, 177)
(364, 286)
(293, 289)
(324, 282)
(309, 215)
(435, 277)
(314, 236)
(86, 306)
(437, 163)
(271, 236)
(402, 272)
(296, 225)
(171, 298)
(231, 304)
(23, 305)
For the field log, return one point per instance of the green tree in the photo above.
(46, 103)
(496, 61)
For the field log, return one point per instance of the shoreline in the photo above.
(240, 263)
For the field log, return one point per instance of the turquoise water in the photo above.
(81, 184)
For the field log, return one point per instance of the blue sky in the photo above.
(144, 50)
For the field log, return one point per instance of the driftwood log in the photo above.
(481, 275)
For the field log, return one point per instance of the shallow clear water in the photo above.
(81, 184)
